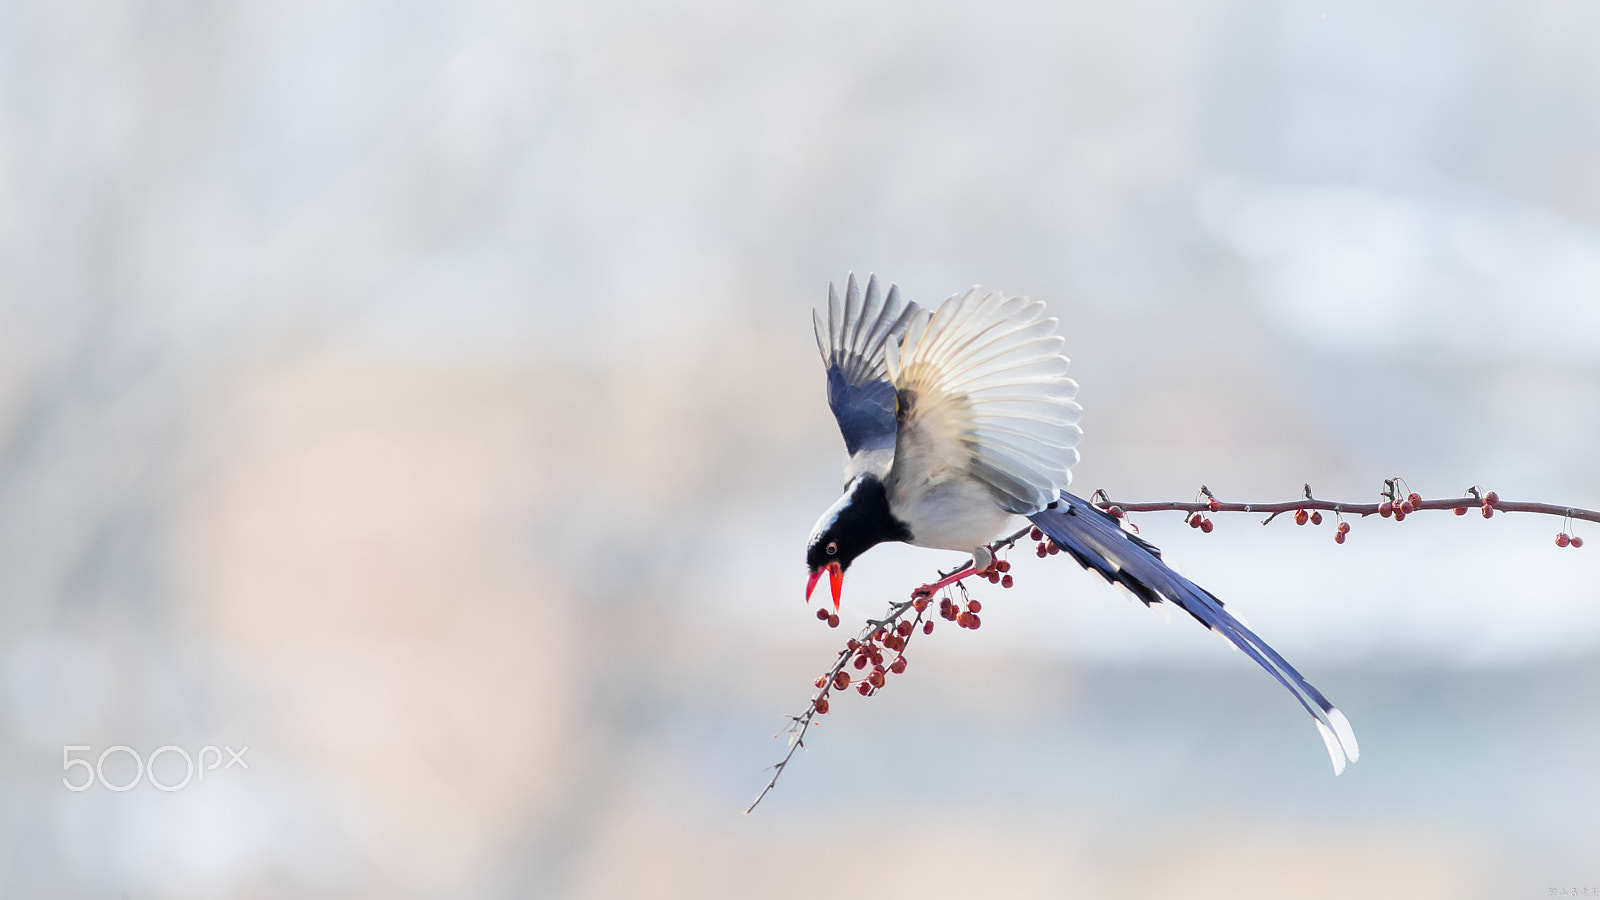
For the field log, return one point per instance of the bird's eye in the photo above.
(833, 548)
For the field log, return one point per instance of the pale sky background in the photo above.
(423, 394)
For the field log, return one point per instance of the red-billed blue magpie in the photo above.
(960, 422)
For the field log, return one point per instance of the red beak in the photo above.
(835, 577)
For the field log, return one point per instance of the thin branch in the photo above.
(1475, 497)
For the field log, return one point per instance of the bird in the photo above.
(960, 424)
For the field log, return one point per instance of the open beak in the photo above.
(835, 577)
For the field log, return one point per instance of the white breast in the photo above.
(956, 513)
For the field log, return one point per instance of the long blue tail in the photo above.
(1099, 544)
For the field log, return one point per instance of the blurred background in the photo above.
(423, 396)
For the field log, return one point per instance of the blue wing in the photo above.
(1100, 544)
(852, 342)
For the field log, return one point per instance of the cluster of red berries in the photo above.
(1046, 547)
(871, 652)
(1491, 502)
(1568, 540)
(1200, 521)
(1405, 507)
(996, 573)
(1314, 517)
(966, 618)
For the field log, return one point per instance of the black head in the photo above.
(859, 521)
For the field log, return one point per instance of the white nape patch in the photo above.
(831, 514)
(868, 462)
(1346, 734)
(1334, 752)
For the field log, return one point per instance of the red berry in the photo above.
(1214, 505)
(1344, 527)
(1035, 534)
(1116, 512)
(822, 706)
(964, 620)
(864, 689)
(919, 604)
(1054, 548)
(975, 622)
(1195, 519)
(1006, 582)
(1577, 541)
(1041, 551)
(821, 680)
(833, 620)
(898, 666)
(1488, 510)
(861, 661)
(1301, 517)
(1316, 517)
(822, 614)
(1338, 537)
(1386, 509)
(994, 577)
(974, 606)
(903, 629)
(841, 681)
(1206, 526)
(1003, 565)
(1562, 540)
(1399, 516)
(1415, 498)
(1491, 498)
(927, 627)
(876, 678)
(1461, 510)
(1408, 507)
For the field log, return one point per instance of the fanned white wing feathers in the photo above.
(986, 384)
